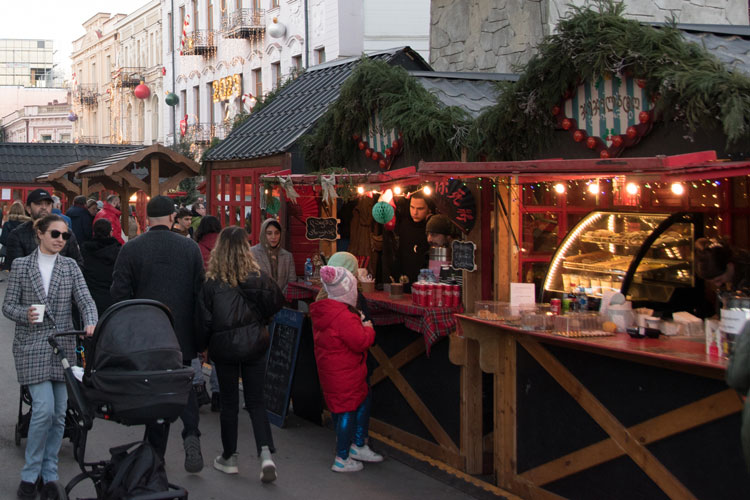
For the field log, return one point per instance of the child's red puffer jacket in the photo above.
(341, 342)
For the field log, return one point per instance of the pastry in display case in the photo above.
(646, 256)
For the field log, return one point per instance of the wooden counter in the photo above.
(603, 417)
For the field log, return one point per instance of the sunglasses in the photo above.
(56, 234)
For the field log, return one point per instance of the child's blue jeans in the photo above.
(352, 427)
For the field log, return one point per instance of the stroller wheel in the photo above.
(53, 490)
(18, 436)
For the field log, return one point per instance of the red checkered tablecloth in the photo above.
(432, 322)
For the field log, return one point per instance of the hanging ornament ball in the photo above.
(388, 152)
(72, 117)
(362, 145)
(368, 153)
(142, 91)
(383, 164)
(355, 137)
(382, 212)
(567, 124)
(395, 144)
(591, 142)
(163, 71)
(555, 110)
(641, 83)
(631, 132)
(172, 99)
(604, 153)
(276, 29)
(579, 135)
(643, 117)
(376, 156)
(617, 141)
(273, 205)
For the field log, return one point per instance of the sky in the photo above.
(59, 20)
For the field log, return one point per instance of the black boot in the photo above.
(215, 402)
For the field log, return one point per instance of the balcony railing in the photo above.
(200, 43)
(244, 23)
(87, 93)
(129, 76)
(205, 132)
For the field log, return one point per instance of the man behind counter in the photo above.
(411, 255)
(440, 234)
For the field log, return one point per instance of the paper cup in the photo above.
(39, 309)
(566, 282)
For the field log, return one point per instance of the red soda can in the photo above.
(456, 295)
(429, 295)
(417, 291)
(555, 306)
(439, 289)
(414, 293)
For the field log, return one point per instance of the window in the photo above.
(183, 103)
(210, 101)
(256, 5)
(210, 14)
(46, 138)
(258, 82)
(320, 55)
(296, 64)
(182, 19)
(171, 31)
(194, 20)
(276, 74)
(94, 79)
(108, 68)
(197, 97)
(40, 44)
(274, 4)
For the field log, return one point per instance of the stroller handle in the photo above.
(52, 339)
(74, 391)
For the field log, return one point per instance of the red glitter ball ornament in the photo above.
(591, 142)
(567, 124)
(579, 135)
(362, 145)
(631, 132)
(604, 153)
(644, 117)
(617, 141)
(368, 153)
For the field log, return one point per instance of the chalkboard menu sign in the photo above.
(282, 356)
(462, 255)
(322, 228)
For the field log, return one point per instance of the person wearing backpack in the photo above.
(236, 303)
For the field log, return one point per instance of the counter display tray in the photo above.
(619, 265)
(634, 241)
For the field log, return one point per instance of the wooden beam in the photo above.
(326, 247)
(268, 162)
(472, 281)
(637, 452)
(154, 177)
(471, 407)
(173, 181)
(68, 187)
(416, 403)
(85, 187)
(668, 424)
(417, 443)
(131, 181)
(404, 356)
(505, 413)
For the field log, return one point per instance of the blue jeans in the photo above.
(352, 427)
(49, 400)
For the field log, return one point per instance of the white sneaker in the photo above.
(267, 467)
(364, 454)
(227, 465)
(348, 465)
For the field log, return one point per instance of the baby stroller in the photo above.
(133, 376)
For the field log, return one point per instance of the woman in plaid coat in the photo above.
(45, 277)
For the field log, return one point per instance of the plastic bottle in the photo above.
(582, 299)
(308, 270)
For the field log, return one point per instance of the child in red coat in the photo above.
(341, 341)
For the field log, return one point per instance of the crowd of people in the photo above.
(67, 269)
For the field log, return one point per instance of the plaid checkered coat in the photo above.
(33, 355)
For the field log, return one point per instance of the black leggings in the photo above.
(253, 374)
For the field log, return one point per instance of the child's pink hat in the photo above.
(340, 284)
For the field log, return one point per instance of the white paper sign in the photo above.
(6, 194)
(522, 293)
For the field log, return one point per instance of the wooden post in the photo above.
(328, 248)
(505, 412)
(85, 186)
(472, 287)
(506, 253)
(471, 408)
(124, 194)
(154, 176)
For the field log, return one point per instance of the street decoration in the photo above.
(142, 91)
(172, 99)
(378, 144)
(382, 212)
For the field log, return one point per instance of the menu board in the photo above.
(282, 356)
(462, 255)
(322, 228)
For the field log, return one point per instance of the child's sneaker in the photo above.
(227, 465)
(267, 467)
(346, 465)
(364, 454)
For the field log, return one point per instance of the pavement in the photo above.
(304, 456)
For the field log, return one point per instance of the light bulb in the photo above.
(631, 188)
(360, 190)
(397, 190)
(678, 188)
(594, 188)
(559, 188)
(427, 191)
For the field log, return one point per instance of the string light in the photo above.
(678, 188)
(631, 188)
(560, 188)
(594, 187)
(397, 190)
(427, 191)
(360, 190)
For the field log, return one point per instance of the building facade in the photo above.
(118, 53)
(222, 55)
(496, 35)
(38, 124)
(27, 63)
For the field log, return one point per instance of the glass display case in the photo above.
(646, 256)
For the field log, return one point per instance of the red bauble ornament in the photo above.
(555, 110)
(631, 132)
(579, 135)
(163, 71)
(368, 153)
(388, 152)
(376, 156)
(383, 164)
(617, 141)
(641, 83)
(355, 137)
(395, 144)
(142, 91)
(644, 117)
(567, 124)
(591, 142)
(362, 145)
(604, 153)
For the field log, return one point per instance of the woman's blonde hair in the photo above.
(17, 208)
(231, 260)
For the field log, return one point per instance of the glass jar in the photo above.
(735, 312)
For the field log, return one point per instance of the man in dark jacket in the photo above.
(412, 251)
(81, 219)
(164, 266)
(99, 257)
(22, 241)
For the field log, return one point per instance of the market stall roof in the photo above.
(276, 127)
(703, 164)
(470, 91)
(400, 175)
(22, 163)
(153, 169)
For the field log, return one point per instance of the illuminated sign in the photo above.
(228, 87)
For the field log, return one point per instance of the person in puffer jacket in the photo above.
(341, 339)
